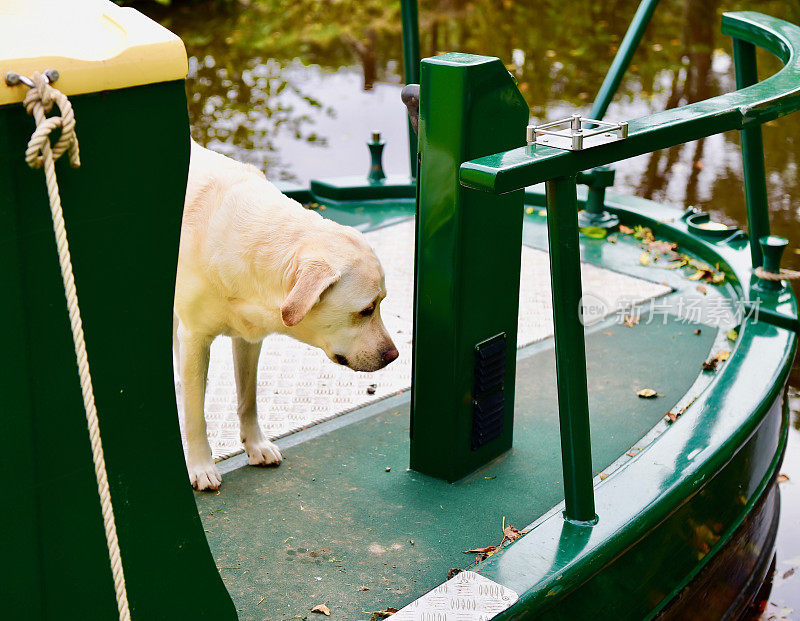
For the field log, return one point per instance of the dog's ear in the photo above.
(311, 280)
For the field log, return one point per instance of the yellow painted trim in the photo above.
(95, 45)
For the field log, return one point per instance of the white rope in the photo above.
(38, 102)
(784, 274)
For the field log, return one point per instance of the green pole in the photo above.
(623, 58)
(411, 67)
(755, 183)
(573, 398)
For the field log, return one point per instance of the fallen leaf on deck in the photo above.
(710, 364)
(631, 320)
(363, 588)
(723, 355)
(382, 614)
(322, 609)
(732, 334)
(788, 573)
(612, 239)
(603, 476)
(594, 232)
(625, 230)
(644, 258)
(647, 393)
(698, 331)
(644, 233)
(543, 212)
(661, 246)
(454, 571)
(697, 275)
(511, 533)
(782, 478)
(487, 550)
(529, 210)
(702, 289)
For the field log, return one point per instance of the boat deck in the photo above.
(335, 523)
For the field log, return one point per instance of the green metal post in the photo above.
(755, 181)
(467, 269)
(411, 67)
(573, 399)
(623, 58)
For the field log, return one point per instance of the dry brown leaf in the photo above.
(625, 230)
(322, 609)
(647, 393)
(672, 417)
(363, 588)
(788, 573)
(486, 550)
(663, 247)
(702, 289)
(710, 364)
(782, 478)
(382, 614)
(603, 476)
(631, 320)
(511, 533)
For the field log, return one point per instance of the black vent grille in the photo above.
(488, 405)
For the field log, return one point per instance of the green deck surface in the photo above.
(331, 520)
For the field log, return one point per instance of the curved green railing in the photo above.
(745, 109)
(774, 97)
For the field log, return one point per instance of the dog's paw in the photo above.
(263, 453)
(205, 477)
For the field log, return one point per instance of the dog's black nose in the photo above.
(340, 359)
(390, 354)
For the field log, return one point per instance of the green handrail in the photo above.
(767, 100)
(745, 109)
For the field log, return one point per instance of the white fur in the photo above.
(254, 262)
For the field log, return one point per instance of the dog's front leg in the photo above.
(261, 451)
(194, 354)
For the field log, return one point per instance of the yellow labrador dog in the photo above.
(254, 262)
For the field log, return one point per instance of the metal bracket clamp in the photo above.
(579, 135)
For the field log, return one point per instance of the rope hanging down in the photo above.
(784, 274)
(38, 102)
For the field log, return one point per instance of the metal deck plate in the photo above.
(468, 596)
(298, 386)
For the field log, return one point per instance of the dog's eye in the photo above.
(368, 310)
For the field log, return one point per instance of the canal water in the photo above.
(297, 87)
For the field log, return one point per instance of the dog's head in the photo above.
(334, 289)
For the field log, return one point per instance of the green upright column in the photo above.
(573, 399)
(411, 66)
(755, 180)
(467, 269)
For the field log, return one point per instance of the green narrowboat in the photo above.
(589, 401)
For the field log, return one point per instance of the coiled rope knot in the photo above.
(38, 103)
